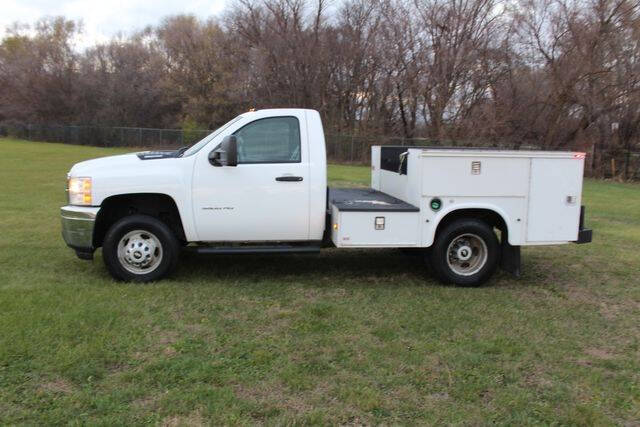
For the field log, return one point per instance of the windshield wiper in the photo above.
(181, 150)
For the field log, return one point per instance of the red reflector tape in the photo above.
(579, 155)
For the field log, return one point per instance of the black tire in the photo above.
(169, 247)
(461, 235)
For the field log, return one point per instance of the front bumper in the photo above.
(77, 229)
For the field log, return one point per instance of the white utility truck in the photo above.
(258, 184)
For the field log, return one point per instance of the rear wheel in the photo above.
(140, 248)
(466, 252)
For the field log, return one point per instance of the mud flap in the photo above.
(510, 259)
(585, 235)
(85, 253)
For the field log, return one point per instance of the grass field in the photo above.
(356, 337)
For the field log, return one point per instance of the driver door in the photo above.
(266, 196)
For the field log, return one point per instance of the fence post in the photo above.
(29, 131)
(139, 137)
(613, 167)
(627, 160)
(352, 148)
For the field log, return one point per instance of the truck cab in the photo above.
(259, 184)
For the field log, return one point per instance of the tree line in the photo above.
(555, 74)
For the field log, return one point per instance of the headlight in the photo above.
(79, 191)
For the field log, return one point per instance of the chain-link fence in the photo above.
(356, 149)
(104, 136)
(610, 162)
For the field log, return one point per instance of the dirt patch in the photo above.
(197, 328)
(595, 353)
(165, 341)
(609, 309)
(165, 338)
(274, 396)
(276, 311)
(58, 386)
(537, 379)
(169, 351)
(310, 294)
(161, 344)
(193, 419)
(146, 402)
(438, 396)
(582, 295)
(600, 353)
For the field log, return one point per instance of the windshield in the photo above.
(198, 145)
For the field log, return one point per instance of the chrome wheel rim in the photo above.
(467, 254)
(139, 252)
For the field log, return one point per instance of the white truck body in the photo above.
(242, 203)
(275, 194)
(537, 194)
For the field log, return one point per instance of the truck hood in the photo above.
(89, 167)
(117, 163)
(161, 173)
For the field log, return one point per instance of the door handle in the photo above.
(289, 178)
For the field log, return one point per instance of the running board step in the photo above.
(232, 250)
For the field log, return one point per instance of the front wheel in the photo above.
(466, 252)
(140, 248)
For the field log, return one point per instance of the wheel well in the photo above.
(492, 218)
(114, 208)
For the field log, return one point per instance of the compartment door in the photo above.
(554, 200)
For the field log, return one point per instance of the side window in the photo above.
(271, 140)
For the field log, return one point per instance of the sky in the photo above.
(104, 19)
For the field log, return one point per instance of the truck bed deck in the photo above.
(367, 200)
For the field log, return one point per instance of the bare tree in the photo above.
(202, 68)
(37, 73)
(547, 73)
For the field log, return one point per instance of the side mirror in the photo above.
(226, 154)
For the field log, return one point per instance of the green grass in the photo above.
(347, 336)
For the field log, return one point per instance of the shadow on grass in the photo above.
(332, 268)
(362, 268)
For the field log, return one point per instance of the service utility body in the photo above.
(258, 184)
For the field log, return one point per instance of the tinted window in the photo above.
(272, 140)
(390, 159)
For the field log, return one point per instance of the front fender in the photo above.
(171, 177)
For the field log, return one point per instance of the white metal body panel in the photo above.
(528, 189)
(403, 187)
(394, 184)
(452, 176)
(317, 175)
(127, 174)
(554, 200)
(245, 203)
(513, 211)
(375, 167)
(357, 229)
(242, 203)
(538, 194)
(500, 184)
